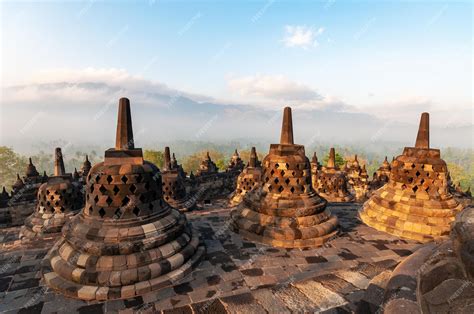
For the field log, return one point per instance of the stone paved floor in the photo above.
(235, 276)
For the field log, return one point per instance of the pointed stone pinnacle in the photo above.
(167, 163)
(423, 137)
(208, 157)
(58, 163)
(253, 158)
(124, 136)
(287, 127)
(87, 157)
(31, 162)
(332, 158)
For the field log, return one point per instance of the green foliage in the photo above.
(11, 163)
(339, 160)
(154, 156)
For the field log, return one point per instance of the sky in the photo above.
(388, 59)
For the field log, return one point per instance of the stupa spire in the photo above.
(59, 169)
(287, 127)
(253, 158)
(332, 158)
(167, 163)
(124, 136)
(423, 138)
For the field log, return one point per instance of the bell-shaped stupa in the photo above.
(285, 211)
(248, 179)
(174, 189)
(331, 182)
(207, 167)
(127, 240)
(235, 164)
(415, 203)
(381, 176)
(357, 180)
(58, 200)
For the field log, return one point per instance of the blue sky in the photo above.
(380, 57)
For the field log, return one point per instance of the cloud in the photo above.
(301, 36)
(92, 86)
(278, 89)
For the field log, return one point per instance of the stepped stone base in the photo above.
(39, 225)
(421, 220)
(284, 222)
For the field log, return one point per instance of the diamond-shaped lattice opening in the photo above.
(280, 189)
(102, 212)
(92, 188)
(96, 198)
(272, 172)
(139, 178)
(109, 200)
(298, 181)
(423, 166)
(276, 180)
(124, 179)
(48, 203)
(297, 166)
(413, 166)
(52, 197)
(132, 188)
(417, 173)
(422, 181)
(277, 166)
(97, 178)
(282, 173)
(292, 189)
(102, 189)
(404, 187)
(109, 179)
(56, 203)
(415, 188)
(136, 211)
(90, 210)
(125, 201)
(287, 181)
(410, 179)
(118, 212)
(116, 189)
(266, 179)
(142, 198)
(270, 188)
(62, 209)
(47, 192)
(427, 189)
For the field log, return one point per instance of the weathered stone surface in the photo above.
(248, 179)
(415, 203)
(284, 210)
(124, 232)
(330, 182)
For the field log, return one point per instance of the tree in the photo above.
(154, 156)
(11, 163)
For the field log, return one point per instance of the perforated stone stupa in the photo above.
(58, 200)
(248, 180)
(415, 203)
(381, 176)
(127, 240)
(358, 180)
(174, 189)
(285, 211)
(235, 163)
(331, 182)
(25, 189)
(207, 167)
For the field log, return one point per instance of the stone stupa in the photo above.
(381, 176)
(207, 167)
(235, 164)
(127, 240)
(174, 189)
(59, 199)
(248, 179)
(331, 182)
(415, 203)
(357, 180)
(285, 211)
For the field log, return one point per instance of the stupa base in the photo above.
(287, 232)
(152, 280)
(41, 225)
(337, 198)
(409, 221)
